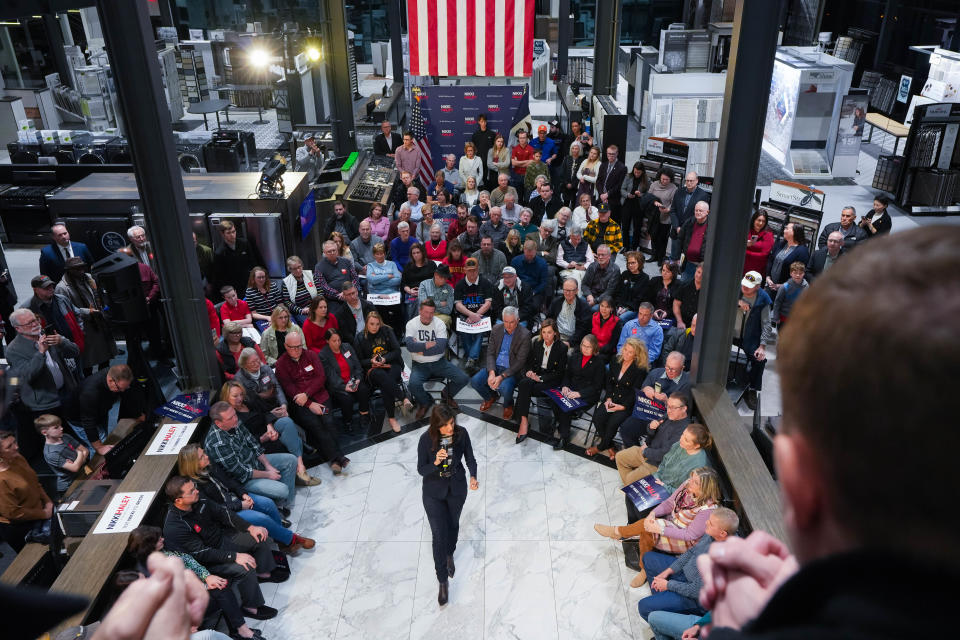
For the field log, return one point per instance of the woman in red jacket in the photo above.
(759, 245)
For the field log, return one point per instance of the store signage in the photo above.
(903, 93)
(794, 193)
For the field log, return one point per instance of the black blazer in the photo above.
(380, 143)
(435, 485)
(624, 390)
(617, 173)
(329, 361)
(582, 314)
(552, 375)
(817, 260)
(677, 217)
(587, 380)
(347, 323)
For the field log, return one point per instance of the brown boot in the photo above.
(606, 530)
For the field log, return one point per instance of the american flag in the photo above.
(420, 142)
(471, 37)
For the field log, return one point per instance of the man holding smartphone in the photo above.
(39, 360)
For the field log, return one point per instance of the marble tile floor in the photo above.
(529, 565)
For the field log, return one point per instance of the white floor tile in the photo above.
(378, 602)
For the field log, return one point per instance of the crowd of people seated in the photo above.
(503, 273)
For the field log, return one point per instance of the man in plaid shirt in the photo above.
(229, 444)
(603, 230)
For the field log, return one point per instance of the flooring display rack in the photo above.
(929, 183)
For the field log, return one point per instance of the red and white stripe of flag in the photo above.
(470, 37)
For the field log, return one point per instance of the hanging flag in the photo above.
(420, 140)
(470, 37)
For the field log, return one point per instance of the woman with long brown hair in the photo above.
(440, 454)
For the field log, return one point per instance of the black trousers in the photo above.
(658, 239)
(755, 372)
(607, 425)
(388, 381)
(320, 430)
(631, 224)
(444, 517)
(344, 400)
(526, 389)
(632, 431)
(245, 579)
(565, 419)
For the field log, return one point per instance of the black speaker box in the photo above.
(119, 279)
(221, 156)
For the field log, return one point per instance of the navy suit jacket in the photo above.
(677, 217)
(51, 259)
(437, 486)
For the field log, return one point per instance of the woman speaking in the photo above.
(440, 456)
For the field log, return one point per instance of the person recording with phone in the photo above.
(440, 455)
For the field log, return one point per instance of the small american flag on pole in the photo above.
(420, 141)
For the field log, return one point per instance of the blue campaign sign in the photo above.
(450, 114)
(566, 404)
(646, 492)
(186, 407)
(646, 409)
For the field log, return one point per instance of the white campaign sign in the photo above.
(171, 438)
(125, 512)
(383, 299)
(478, 327)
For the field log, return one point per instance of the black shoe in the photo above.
(559, 444)
(263, 613)
(451, 568)
(285, 523)
(277, 575)
(444, 594)
(631, 554)
(257, 635)
(284, 511)
(750, 397)
(521, 438)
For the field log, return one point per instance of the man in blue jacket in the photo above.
(60, 248)
(532, 271)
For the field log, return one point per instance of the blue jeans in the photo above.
(442, 368)
(654, 562)
(507, 385)
(264, 514)
(627, 316)
(667, 625)
(689, 269)
(281, 490)
(471, 344)
(289, 436)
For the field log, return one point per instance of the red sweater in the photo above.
(438, 253)
(456, 269)
(603, 332)
(305, 375)
(238, 312)
(316, 336)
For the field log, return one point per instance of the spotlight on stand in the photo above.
(271, 183)
(258, 58)
(313, 53)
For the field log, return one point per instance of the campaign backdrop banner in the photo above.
(646, 409)
(646, 492)
(186, 407)
(566, 404)
(450, 114)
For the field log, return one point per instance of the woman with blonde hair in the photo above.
(511, 245)
(623, 378)
(271, 341)
(216, 485)
(275, 430)
(587, 173)
(470, 164)
(343, 246)
(470, 193)
(498, 161)
(677, 523)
